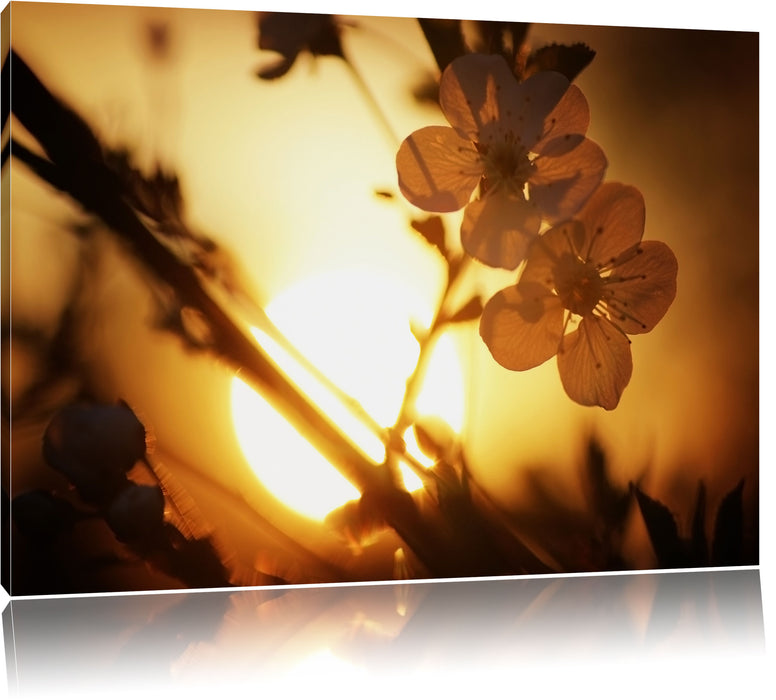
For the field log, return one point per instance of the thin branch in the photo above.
(406, 416)
(393, 139)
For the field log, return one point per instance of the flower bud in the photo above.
(137, 512)
(94, 446)
(41, 515)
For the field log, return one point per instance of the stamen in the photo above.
(616, 279)
(593, 319)
(566, 321)
(595, 235)
(567, 236)
(607, 266)
(621, 312)
(613, 262)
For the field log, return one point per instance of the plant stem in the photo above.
(392, 437)
(406, 416)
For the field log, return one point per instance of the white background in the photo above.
(740, 676)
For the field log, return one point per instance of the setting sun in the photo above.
(353, 326)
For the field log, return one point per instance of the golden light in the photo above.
(353, 326)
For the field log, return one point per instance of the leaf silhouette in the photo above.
(499, 37)
(662, 530)
(568, 60)
(605, 498)
(157, 195)
(470, 311)
(433, 231)
(727, 545)
(444, 38)
(290, 33)
(426, 90)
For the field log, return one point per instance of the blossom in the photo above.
(593, 272)
(523, 144)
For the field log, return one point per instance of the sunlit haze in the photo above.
(353, 327)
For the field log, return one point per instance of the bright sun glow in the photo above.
(353, 326)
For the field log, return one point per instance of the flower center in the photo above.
(506, 165)
(578, 284)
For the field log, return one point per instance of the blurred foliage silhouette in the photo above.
(111, 515)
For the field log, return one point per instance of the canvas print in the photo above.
(298, 298)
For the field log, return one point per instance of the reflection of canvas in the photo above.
(474, 630)
(373, 298)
